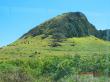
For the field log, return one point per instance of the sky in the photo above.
(19, 16)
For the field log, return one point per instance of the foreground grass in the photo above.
(50, 69)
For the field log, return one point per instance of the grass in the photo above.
(33, 60)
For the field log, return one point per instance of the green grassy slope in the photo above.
(33, 60)
(38, 47)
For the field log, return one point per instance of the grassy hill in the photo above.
(34, 59)
(66, 48)
(37, 46)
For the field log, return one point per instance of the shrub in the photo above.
(54, 44)
(64, 68)
(10, 73)
(44, 36)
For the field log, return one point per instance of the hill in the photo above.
(58, 50)
(105, 34)
(33, 59)
(72, 24)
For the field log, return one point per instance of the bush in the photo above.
(58, 37)
(44, 36)
(10, 73)
(64, 68)
(54, 44)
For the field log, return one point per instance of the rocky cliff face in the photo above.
(72, 24)
(105, 34)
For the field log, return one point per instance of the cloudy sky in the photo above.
(19, 16)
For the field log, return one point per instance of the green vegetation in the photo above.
(34, 60)
(63, 49)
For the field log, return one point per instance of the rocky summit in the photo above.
(72, 24)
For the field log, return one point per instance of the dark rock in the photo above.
(105, 34)
(72, 24)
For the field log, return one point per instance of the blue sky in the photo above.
(19, 16)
